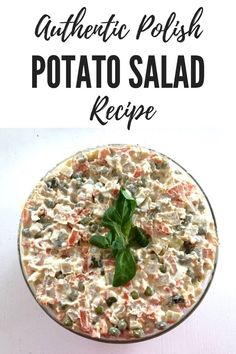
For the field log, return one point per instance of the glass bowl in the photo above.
(157, 332)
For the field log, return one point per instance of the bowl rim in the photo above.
(147, 337)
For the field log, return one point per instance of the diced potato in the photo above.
(66, 171)
(92, 155)
(172, 316)
(133, 324)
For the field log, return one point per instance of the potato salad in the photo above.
(117, 243)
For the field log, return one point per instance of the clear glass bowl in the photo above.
(157, 333)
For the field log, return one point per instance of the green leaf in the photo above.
(100, 241)
(109, 237)
(110, 217)
(125, 205)
(139, 236)
(125, 268)
(118, 245)
(121, 236)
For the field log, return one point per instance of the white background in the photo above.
(26, 155)
(71, 107)
(193, 126)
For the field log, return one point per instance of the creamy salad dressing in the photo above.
(73, 278)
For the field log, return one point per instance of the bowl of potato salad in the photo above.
(118, 243)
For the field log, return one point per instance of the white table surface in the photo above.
(26, 155)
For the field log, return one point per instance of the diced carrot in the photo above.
(156, 228)
(84, 235)
(121, 148)
(109, 262)
(85, 211)
(179, 282)
(127, 285)
(176, 191)
(167, 289)
(137, 173)
(81, 276)
(156, 159)
(207, 253)
(82, 167)
(86, 263)
(103, 326)
(84, 321)
(26, 217)
(41, 260)
(125, 296)
(173, 269)
(85, 248)
(104, 153)
(211, 238)
(162, 228)
(188, 187)
(154, 301)
(188, 303)
(115, 192)
(73, 238)
(148, 229)
(180, 190)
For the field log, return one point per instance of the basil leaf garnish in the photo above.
(125, 268)
(100, 241)
(139, 236)
(122, 235)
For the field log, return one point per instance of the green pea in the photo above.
(161, 325)
(104, 170)
(81, 286)
(164, 164)
(148, 291)
(77, 183)
(49, 203)
(45, 220)
(73, 198)
(138, 333)
(93, 228)
(96, 263)
(59, 275)
(75, 175)
(113, 331)
(81, 158)
(122, 325)
(134, 294)
(52, 183)
(180, 227)
(72, 295)
(158, 164)
(163, 268)
(81, 205)
(26, 232)
(63, 306)
(201, 207)
(202, 230)
(111, 300)
(188, 247)
(63, 186)
(158, 208)
(187, 220)
(177, 299)
(144, 182)
(85, 220)
(99, 310)
(101, 198)
(68, 321)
